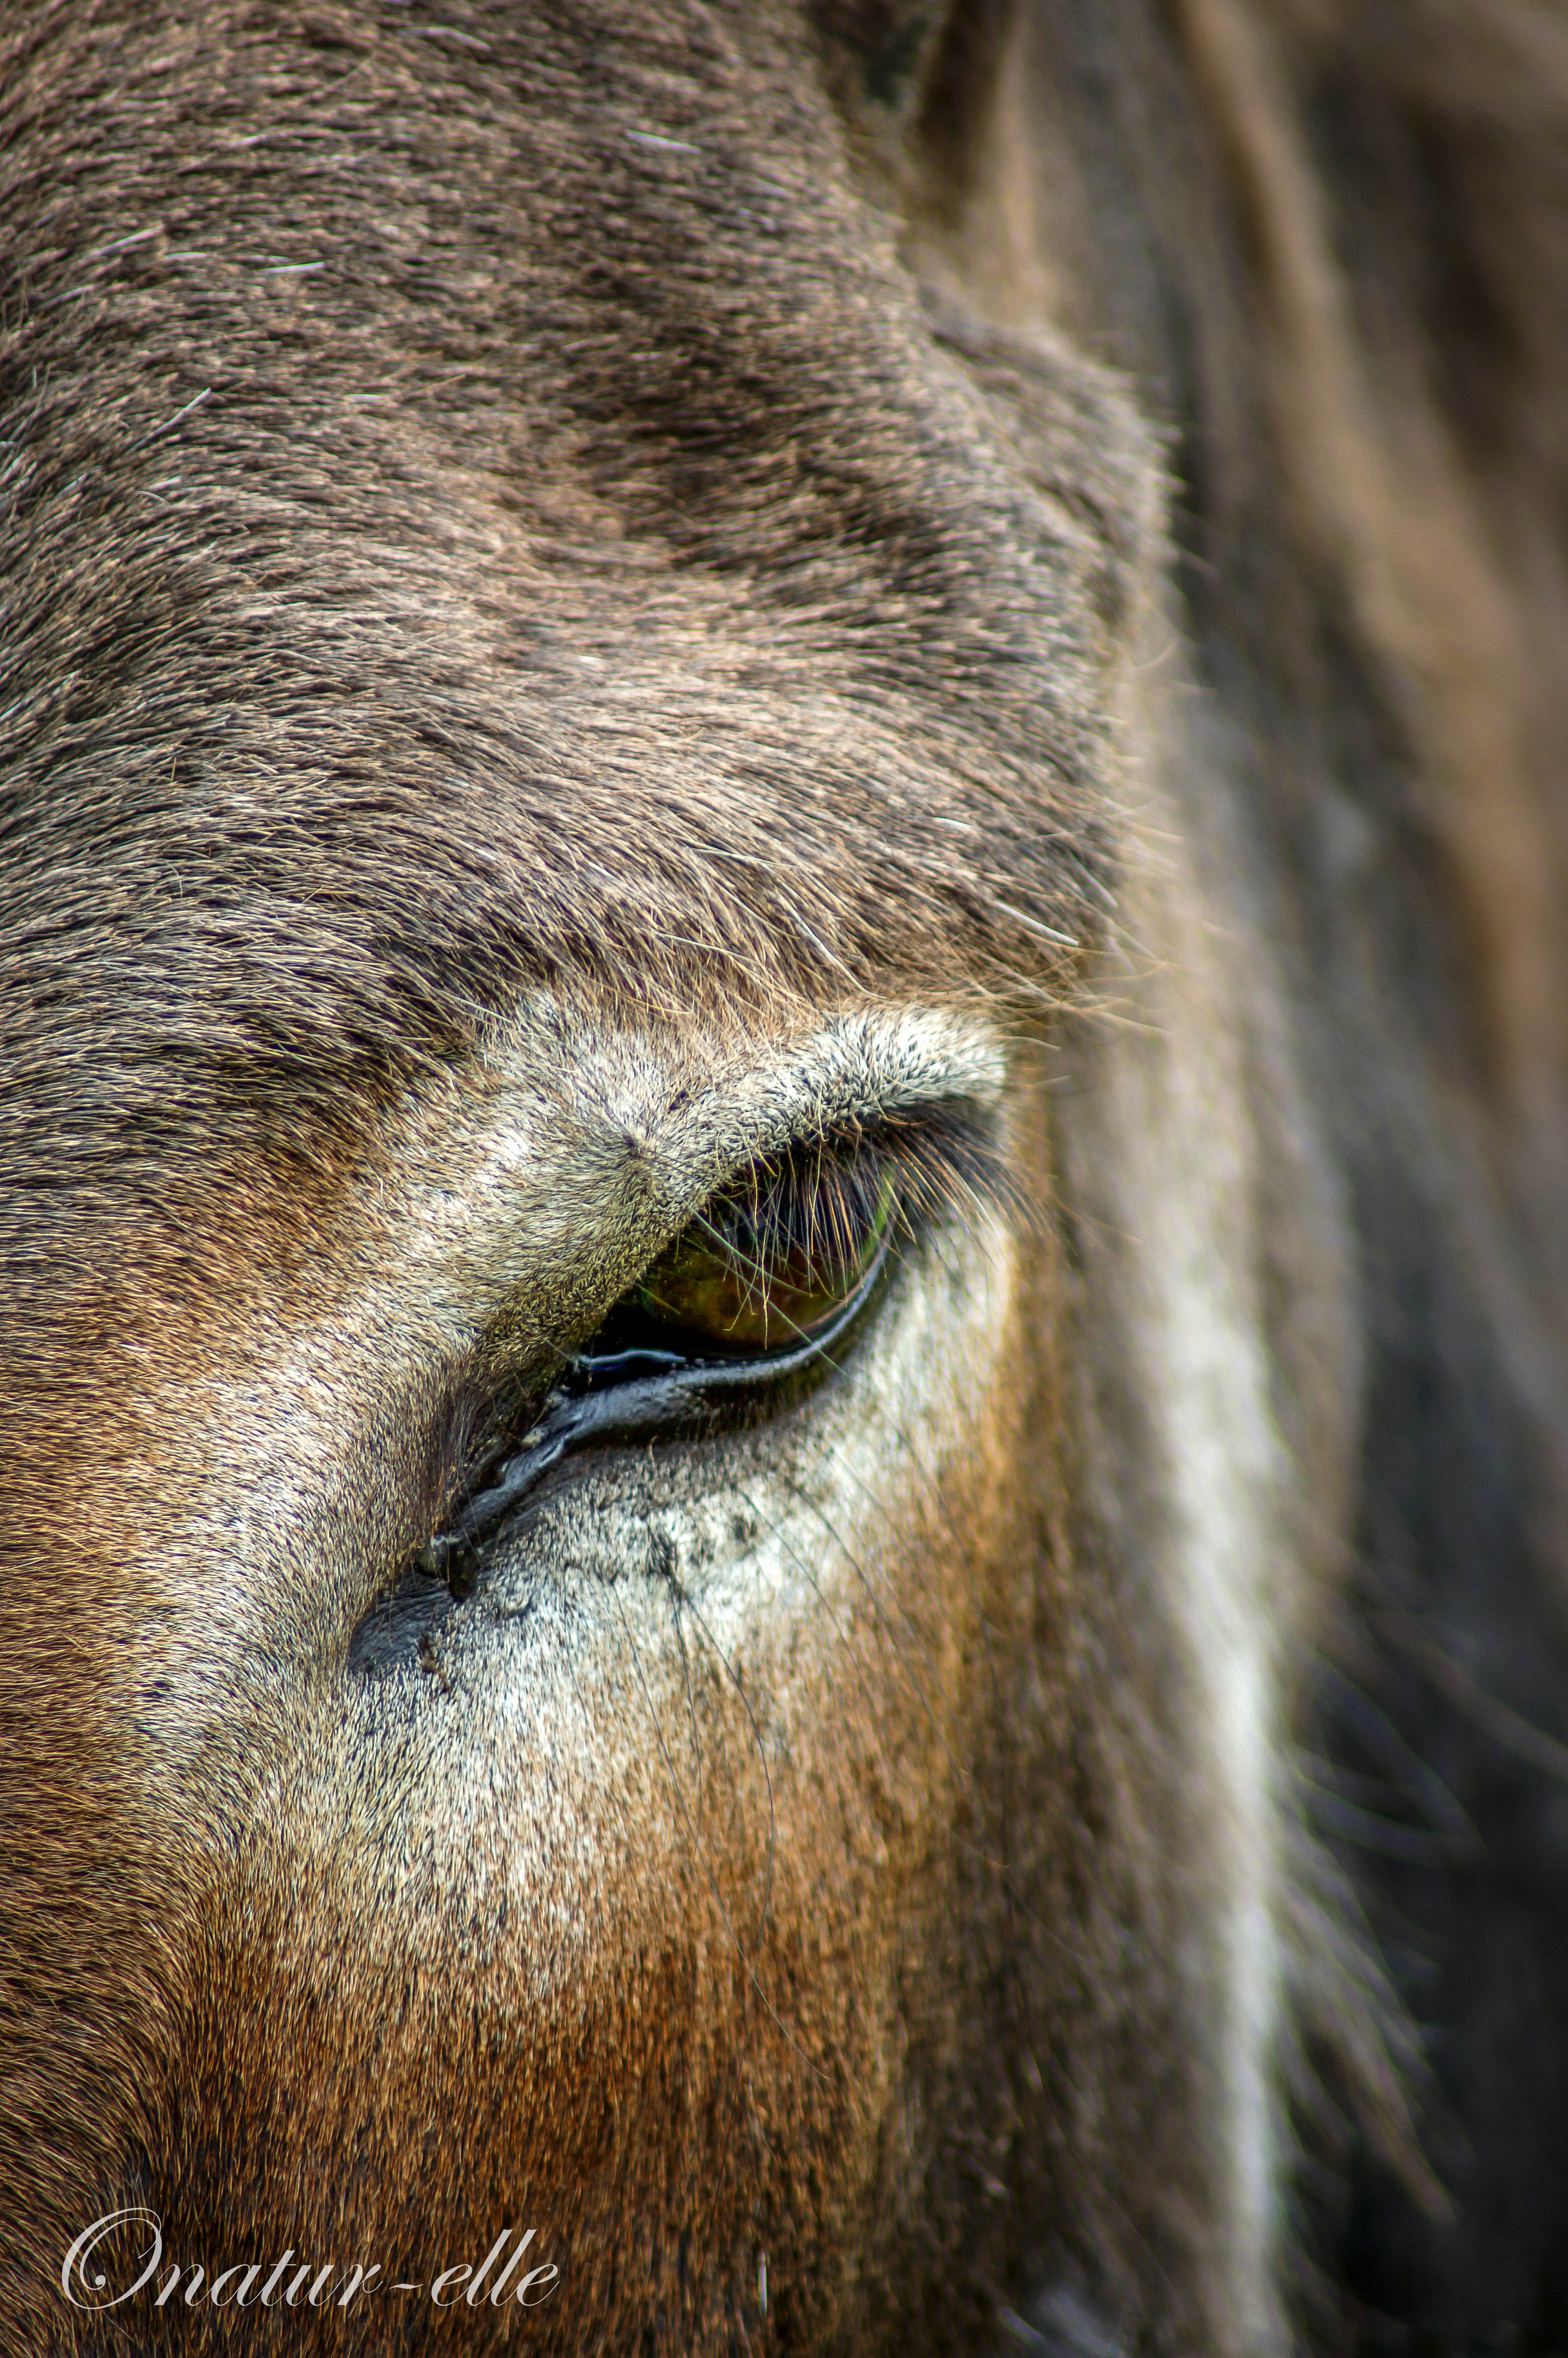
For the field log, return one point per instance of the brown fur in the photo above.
(709, 520)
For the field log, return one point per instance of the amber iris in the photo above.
(762, 1272)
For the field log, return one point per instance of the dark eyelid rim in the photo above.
(944, 1146)
(686, 1392)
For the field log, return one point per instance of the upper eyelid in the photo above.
(865, 1072)
(569, 1158)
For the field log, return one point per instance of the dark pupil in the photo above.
(759, 1271)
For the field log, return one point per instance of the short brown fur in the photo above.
(709, 522)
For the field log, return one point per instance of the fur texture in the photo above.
(590, 596)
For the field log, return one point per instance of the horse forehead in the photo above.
(641, 589)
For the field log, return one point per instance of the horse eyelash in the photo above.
(943, 1160)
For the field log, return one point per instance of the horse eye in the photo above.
(767, 1267)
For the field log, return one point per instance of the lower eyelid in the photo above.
(635, 1398)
